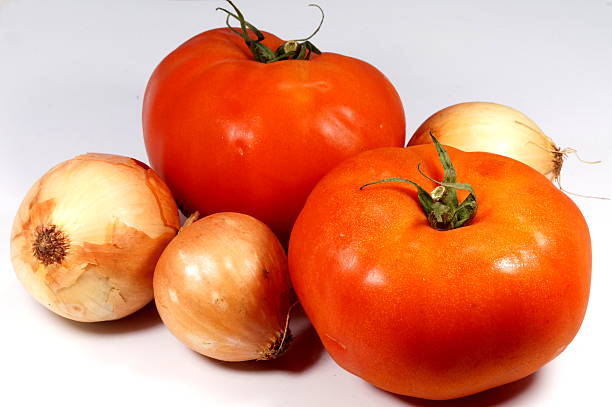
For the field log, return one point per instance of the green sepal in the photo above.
(425, 199)
(450, 175)
(311, 47)
(444, 212)
(465, 212)
(261, 52)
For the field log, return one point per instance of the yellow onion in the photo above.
(494, 128)
(222, 288)
(88, 234)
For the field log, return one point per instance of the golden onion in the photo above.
(88, 234)
(494, 128)
(222, 288)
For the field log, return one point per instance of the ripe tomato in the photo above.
(440, 314)
(228, 133)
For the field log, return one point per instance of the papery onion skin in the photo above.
(222, 288)
(493, 128)
(88, 234)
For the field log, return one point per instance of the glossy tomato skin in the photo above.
(440, 314)
(228, 133)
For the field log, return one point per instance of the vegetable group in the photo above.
(429, 271)
(222, 288)
(88, 234)
(230, 133)
(440, 314)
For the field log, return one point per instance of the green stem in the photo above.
(293, 49)
(441, 207)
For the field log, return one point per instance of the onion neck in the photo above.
(289, 50)
(441, 206)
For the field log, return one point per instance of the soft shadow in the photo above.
(492, 397)
(143, 319)
(305, 350)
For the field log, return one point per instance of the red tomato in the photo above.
(440, 314)
(228, 133)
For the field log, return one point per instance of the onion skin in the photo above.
(493, 128)
(222, 288)
(113, 217)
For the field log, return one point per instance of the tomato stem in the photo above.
(442, 207)
(293, 49)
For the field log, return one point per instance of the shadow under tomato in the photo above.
(145, 318)
(304, 351)
(492, 397)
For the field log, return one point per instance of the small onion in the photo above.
(88, 234)
(494, 128)
(222, 288)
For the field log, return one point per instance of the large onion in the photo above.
(222, 288)
(494, 128)
(88, 234)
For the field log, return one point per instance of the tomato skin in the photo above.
(440, 314)
(228, 133)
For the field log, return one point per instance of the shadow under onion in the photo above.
(145, 318)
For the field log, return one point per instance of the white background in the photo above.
(72, 76)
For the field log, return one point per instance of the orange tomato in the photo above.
(440, 314)
(228, 133)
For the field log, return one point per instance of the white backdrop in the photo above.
(72, 76)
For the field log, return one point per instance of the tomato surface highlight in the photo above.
(440, 314)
